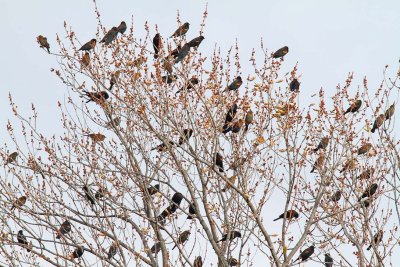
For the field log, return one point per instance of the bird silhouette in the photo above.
(370, 191)
(230, 235)
(88, 46)
(43, 42)
(122, 27)
(110, 36)
(354, 107)
(322, 144)
(289, 214)
(19, 202)
(294, 85)
(304, 255)
(328, 260)
(281, 52)
(237, 82)
(157, 44)
(377, 239)
(183, 237)
(64, 229)
(378, 122)
(182, 30)
(219, 162)
(195, 42)
(21, 238)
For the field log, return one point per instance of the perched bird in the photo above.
(370, 191)
(43, 42)
(85, 59)
(88, 46)
(237, 125)
(364, 149)
(248, 120)
(294, 85)
(182, 30)
(182, 53)
(183, 237)
(219, 162)
(110, 36)
(229, 118)
(156, 248)
(281, 52)
(174, 53)
(169, 78)
(232, 235)
(319, 163)
(328, 260)
(192, 82)
(366, 174)
(19, 202)
(354, 107)
(114, 79)
(163, 146)
(167, 66)
(378, 122)
(322, 144)
(101, 192)
(305, 254)
(192, 211)
(366, 203)
(233, 262)
(198, 262)
(65, 228)
(290, 214)
(389, 112)
(112, 250)
(195, 42)
(122, 27)
(97, 137)
(113, 123)
(237, 82)
(377, 239)
(349, 165)
(21, 238)
(232, 181)
(11, 158)
(187, 133)
(337, 196)
(157, 44)
(78, 252)
(88, 195)
(97, 97)
(154, 189)
(177, 198)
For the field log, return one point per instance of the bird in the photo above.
(377, 239)
(97, 137)
(11, 158)
(305, 254)
(219, 162)
(364, 149)
(110, 36)
(182, 30)
(322, 144)
(389, 112)
(183, 237)
(163, 146)
(190, 85)
(182, 53)
(237, 82)
(198, 262)
(19, 202)
(192, 211)
(88, 195)
(177, 198)
(318, 164)
(233, 262)
(281, 52)
(167, 66)
(337, 196)
(156, 248)
(187, 133)
(114, 79)
(169, 78)
(354, 107)
(195, 42)
(174, 53)
(289, 214)
(366, 203)
(156, 44)
(349, 165)
(114, 122)
(78, 252)
(101, 192)
(248, 120)
(294, 85)
(229, 118)
(122, 27)
(88, 46)
(232, 181)
(232, 235)
(21, 238)
(237, 125)
(112, 250)
(154, 189)
(85, 59)
(378, 122)
(43, 42)
(64, 229)
(328, 260)
(366, 174)
(370, 191)
(97, 97)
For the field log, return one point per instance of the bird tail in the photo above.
(174, 247)
(373, 130)
(276, 219)
(296, 260)
(111, 86)
(246, 127)
(315, 149)
(189, 217)
(313, 169)
(370, 246)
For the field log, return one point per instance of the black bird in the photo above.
(229, 118)
(89, 45)
(305, 254)
(281, 52)
(183, 237)
(328, 260)
(112, 250)
(97, 97)
(156, 248)
(235, 84)
(88, 195)
(101, 192)
(153, 189)
(122, 27)
(169, 78)
(366, 203)
(65, 228)
(219, 162)
(322, 144)
(192, 82)
(195, 42)
(182, 30)
(110, 36)
(290, 214)
(369, 191)
(354, 107)
(377, 239)
(187, 133)
(378, 122)
(192, 211)
(177, 198)
(78, 252)
(174, 53)
(232, 235)
(183, 52)
(156, 44)
(233, 262)
(294, 85)
(22, 240)
(163, 147)
(336, 197)
(198, 262)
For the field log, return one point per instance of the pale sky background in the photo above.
(329, 39)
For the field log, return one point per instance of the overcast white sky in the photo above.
(329, 39)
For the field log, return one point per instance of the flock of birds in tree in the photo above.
(229, 126)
